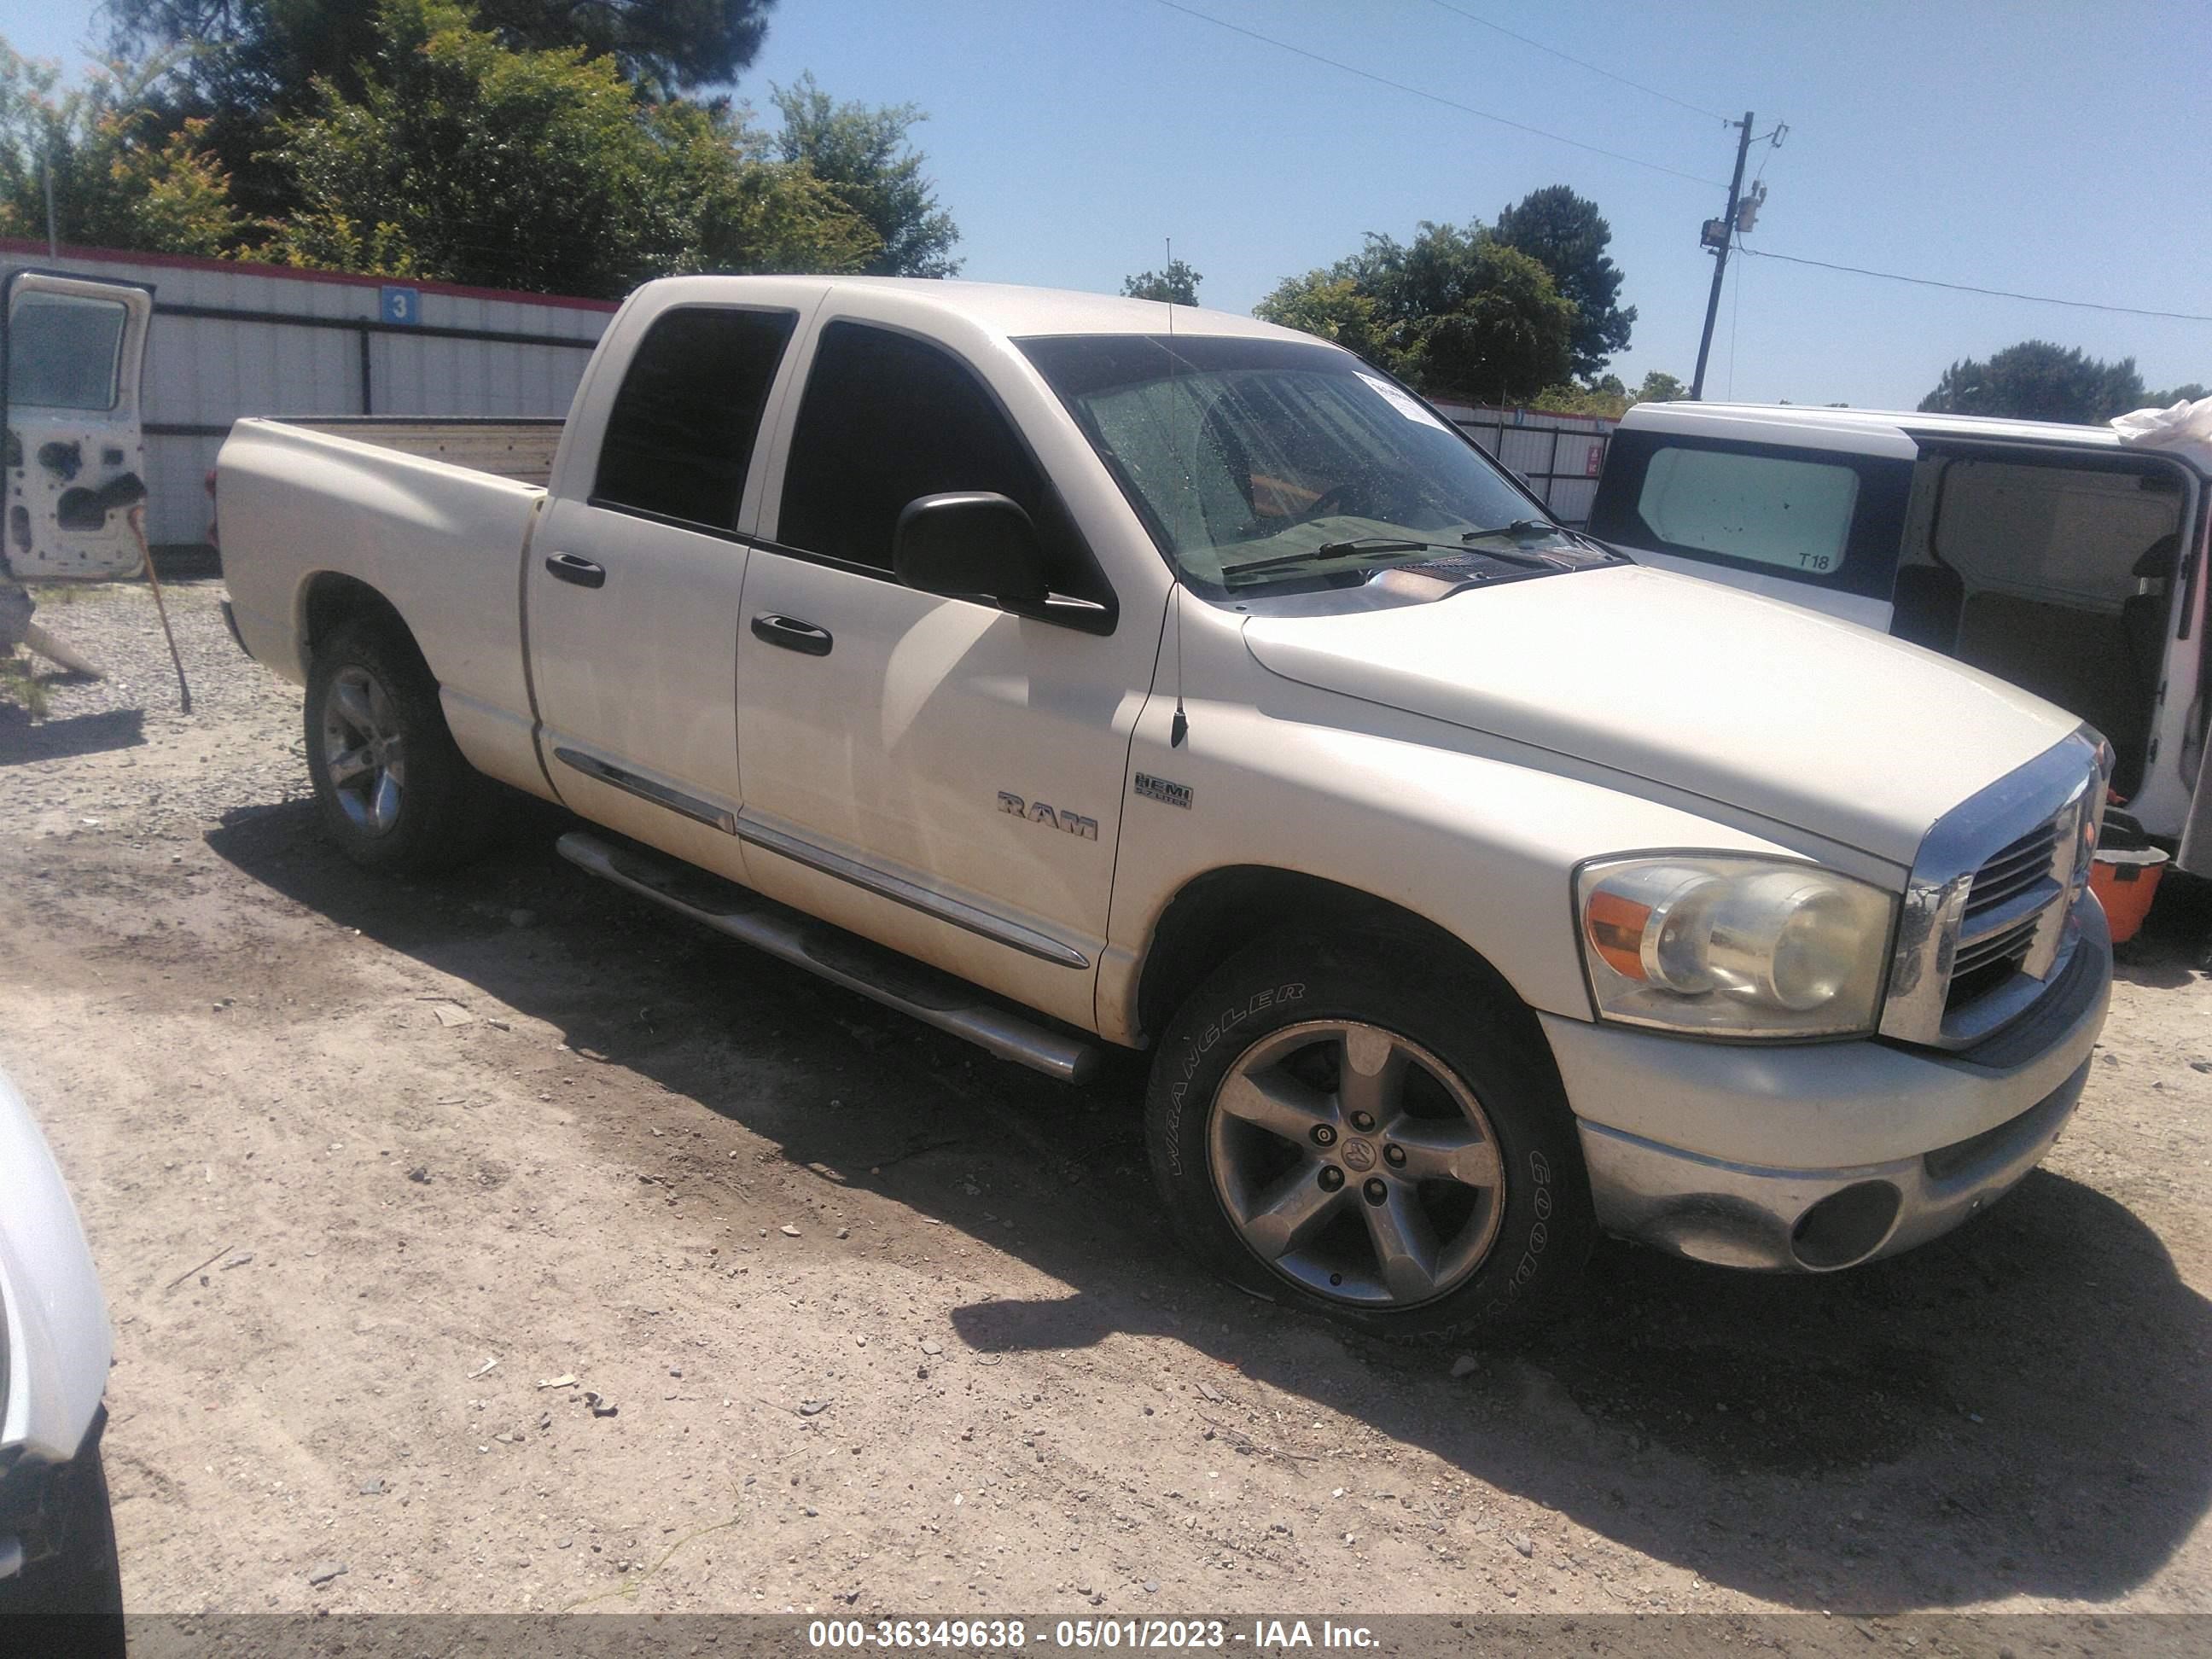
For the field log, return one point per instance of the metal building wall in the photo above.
(234, 339)
(1558, 455)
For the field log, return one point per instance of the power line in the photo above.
(1433, 98)
(1695, 109)
(1964, 288)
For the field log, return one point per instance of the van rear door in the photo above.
(1819, 526)
(2189, 665)
(74, 348)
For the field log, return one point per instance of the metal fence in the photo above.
(232, 339)
(1559, 456)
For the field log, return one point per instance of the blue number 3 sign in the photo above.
(402, 305)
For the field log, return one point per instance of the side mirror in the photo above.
(971, 544)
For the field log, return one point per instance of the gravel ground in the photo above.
(496, 1243)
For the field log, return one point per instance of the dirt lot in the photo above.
(885, 1324)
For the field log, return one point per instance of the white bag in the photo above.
(2185, 428)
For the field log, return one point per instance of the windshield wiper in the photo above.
(1332, 550)
(1518, 527)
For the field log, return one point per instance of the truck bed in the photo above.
(431, 515)
(520, 447)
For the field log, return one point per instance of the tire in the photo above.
(1271, 1180)
(394, 792)
(72, 1603)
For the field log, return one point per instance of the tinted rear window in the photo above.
(681, 434)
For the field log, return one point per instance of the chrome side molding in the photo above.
(647, 789)
(897, 981)
(996, 928)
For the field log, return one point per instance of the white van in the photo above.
(2057, 557)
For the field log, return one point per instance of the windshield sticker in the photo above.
(1398, 400)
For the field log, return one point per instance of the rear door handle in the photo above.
(791, 634)
(568, 567)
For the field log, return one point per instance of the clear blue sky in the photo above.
(2007, 143)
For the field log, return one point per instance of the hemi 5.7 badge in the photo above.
(1160, 789)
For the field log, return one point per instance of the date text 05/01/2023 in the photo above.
(1263, 1635)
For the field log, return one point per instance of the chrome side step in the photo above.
(897, 981)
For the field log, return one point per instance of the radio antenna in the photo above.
(1181, 727)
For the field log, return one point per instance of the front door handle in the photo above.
(791, 634)
(568, 567)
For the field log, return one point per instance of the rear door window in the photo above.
(1832, 520)
(65, 352)
(681, 434)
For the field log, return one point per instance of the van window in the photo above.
(1830, 518)
(681, 434)
(65, 351)
(1796, 515)
(2070, 533)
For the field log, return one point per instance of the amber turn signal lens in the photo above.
(1616, 932)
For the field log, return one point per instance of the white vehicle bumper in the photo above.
(55, 1344)
(1811, 1157)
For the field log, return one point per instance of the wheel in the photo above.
(395, 792)
(74, 1599)
(1348, 1128)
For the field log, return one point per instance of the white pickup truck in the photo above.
(1071, 672)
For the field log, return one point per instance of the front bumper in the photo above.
(1810, 1158)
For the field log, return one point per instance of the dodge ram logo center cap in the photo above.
(1359, 1155)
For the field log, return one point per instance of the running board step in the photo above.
(897, 981)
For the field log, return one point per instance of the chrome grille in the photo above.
(1984, 922)
(2010, 945)
(2015, 869)
(2005, 903)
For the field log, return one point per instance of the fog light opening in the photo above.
(1846, 1226)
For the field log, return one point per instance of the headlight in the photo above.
(1734, 947)
(2088, 817)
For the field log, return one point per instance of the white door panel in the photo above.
(75, 347)
(944, 746)
(634, 579)
(635, 677)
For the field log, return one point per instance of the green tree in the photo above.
(1565, 234)
(1329, 307)
(462, 160)
(1605, 395)
(2188, 393)
(279, 48)
(1453, 311)
(246, 66)
(861, 154)
(1177, 284)
(121, 178)
(1660, 387)
(2036, 380)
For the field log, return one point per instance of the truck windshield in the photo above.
(1258, 462)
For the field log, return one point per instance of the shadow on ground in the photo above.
(2019, 1409)
(22, 738)
(2175, 945)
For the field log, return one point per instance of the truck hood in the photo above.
(1764, 707)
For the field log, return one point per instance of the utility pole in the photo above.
(46, 166)
(1718, 242)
